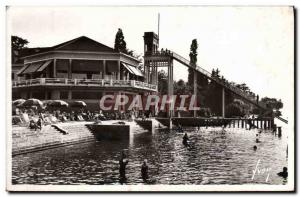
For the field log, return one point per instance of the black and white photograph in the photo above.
(150, 98)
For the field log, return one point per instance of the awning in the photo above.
(127, 67)
(22, 69)
(32, 67)
(44, 66)
(136, 71)
(133, 70)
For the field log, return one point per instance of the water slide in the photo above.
(222, 83)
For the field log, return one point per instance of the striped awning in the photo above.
(44, 66)
(127, 67)
(133, 70)
(22, 69)
(33, 67)
(136, 71)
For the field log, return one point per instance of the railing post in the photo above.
(111, 82)
(132, 82)
(42, 80)
(223, 102)
(75, 81)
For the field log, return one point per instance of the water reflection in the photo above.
(216, 156)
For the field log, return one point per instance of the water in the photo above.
(216, 157)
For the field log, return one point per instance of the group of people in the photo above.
(122, 168)
(37, 118)
(36, 125)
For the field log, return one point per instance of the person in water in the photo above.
(144, 170)
(284, 173)
(180, 129)
(185, 139)
(257, 140)
(123, 162)
(254, 148)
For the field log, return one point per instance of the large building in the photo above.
(79, 69)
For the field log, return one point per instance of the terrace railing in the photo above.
(85, 82)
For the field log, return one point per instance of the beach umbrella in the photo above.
(18, 102)
(57, 103)
(32, 102)
(78, 104)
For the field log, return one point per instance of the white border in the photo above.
(7, 118)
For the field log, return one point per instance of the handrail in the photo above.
(282, 119)
(85, 82)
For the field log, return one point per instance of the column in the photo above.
(70, 69)
(104, 69)
(119, 70)
(152, 73)
(223, 102)
(54, 68)
(145, 70)
(170, 85)
(149, 72)
(156, 75)
(169, 92)
(195, 89)
(69, 94)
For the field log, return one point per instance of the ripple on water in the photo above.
(215, 157)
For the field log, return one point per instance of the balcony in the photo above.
(84, 83)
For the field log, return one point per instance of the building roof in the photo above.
(81, 43)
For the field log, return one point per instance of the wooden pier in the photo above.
(261, 123)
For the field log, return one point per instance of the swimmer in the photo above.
(144, 170)
(122, 168)
(284, 173)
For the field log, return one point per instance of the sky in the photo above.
(252, 45)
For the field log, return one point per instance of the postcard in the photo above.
(150, 98)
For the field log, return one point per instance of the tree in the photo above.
(120, 43)
(193, 52)
(272, 103)
(193, 59)
(234, 110)
(18, 43)
(181, 88)
(217, 73)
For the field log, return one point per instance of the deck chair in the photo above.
(80, 118)
(25, 118)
